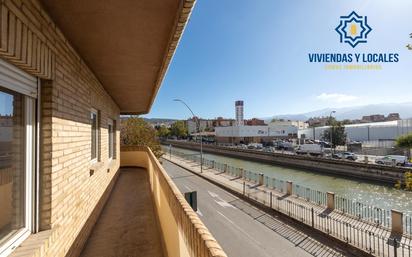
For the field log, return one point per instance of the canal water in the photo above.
(369, 193)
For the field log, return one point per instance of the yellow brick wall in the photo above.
(70, 192)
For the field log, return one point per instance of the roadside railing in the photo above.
(365, 212)
(355, 235)
(314, 196)
(348, 230)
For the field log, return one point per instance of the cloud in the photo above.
(338, 98)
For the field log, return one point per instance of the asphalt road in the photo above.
(241, 229)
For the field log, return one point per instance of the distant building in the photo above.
(318, 121)
(6, 128)
(255, 122)
(381, 118)
(285, 128)
(393, 116)
(242, 134)
(373, 118)
(222, 122)
(204, 125)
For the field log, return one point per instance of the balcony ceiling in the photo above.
(128, 44)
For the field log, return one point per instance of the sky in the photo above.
(6, 104)
(257, 51)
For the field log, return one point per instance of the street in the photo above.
(241, 229)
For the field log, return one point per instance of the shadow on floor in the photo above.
(127, 226)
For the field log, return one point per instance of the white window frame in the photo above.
(20, 236)
(94, 160)
(110, 145)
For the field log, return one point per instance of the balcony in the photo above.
(146, 215)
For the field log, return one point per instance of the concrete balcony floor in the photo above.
(127, 225)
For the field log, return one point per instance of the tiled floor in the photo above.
(127, 225)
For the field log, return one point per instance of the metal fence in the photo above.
(355, 235)
(362, 211)
(365, 239)
(310, 195)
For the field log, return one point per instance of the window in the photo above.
(95, 135)
(110, 138)
(16, 168)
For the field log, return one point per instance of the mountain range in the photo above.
(355, 112)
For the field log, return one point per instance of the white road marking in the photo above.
(239, 228)
(212, 194)
(224, 204)
(220, 201)
(199, 212)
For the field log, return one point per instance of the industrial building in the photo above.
(374, 131)
(242, 134)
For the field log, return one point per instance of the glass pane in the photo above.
(110, 131)
(94, 135)
(12, 164)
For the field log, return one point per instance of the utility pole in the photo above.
(331, 129)
(198, 130)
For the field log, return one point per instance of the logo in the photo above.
(353, 29)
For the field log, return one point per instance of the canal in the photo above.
(365, 192)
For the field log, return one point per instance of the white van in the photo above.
(312, 149)
(399, 160)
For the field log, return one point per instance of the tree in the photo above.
(178, 129)
(162, 131)
(405, 141)
(137, 132)
(338, 134)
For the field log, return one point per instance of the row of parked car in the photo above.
(324, 151)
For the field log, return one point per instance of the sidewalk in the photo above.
(369, 237)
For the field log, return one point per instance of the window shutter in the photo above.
(17, 80)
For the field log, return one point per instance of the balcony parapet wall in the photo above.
(183, 233)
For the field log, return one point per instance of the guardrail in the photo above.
(354, 233)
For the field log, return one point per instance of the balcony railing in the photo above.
(183, 233)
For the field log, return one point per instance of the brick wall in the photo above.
(70, 191)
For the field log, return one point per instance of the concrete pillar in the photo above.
(330, 200)
(242, 173)
(213, 164)
(397, 221)
(366, 159)
(289, 186)
(225, 168)
(260, 179)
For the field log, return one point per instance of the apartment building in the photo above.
(68, 69)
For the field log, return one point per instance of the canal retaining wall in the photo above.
(345, 168)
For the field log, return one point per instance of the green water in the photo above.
(373, 194)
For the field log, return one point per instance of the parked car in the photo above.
(242, 146)
(281, 145)
(312, 149)
(399, 160)
(268, 149)
(349, 156)
(254, 146)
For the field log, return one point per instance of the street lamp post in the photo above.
(331, 128)
(198, 131)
